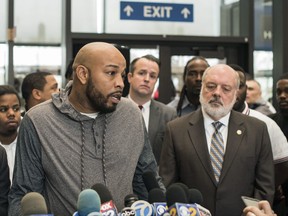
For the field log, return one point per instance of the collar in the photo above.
(145, 105)
(246, 110)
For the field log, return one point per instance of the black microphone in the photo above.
(157, 199)
(107, 204)
(178, 202)
(130, 199)
(150, 181)
(195, 196)
(33, 203)
(184, 187)
(88, 203)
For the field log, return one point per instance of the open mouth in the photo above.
(116, 97)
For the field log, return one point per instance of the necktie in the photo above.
(217, 150)
(140, 107)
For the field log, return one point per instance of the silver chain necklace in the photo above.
(103, 154)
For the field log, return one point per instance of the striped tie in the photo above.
(217, 150)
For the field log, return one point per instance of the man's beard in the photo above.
(9, 132)
(216, 112)
(98, 100)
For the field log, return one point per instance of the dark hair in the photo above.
(8, 89)
(32, 81)
(149, 57)
(183, 90)
(238, 68)
(69, 71)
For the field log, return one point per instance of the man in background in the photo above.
(10, 118)
(221, 152)
(277, 138)
(281, 118)
(38, 87)
(143, 75)
(255, 100)
(192, 77)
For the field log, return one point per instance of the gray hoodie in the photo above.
(61, 152)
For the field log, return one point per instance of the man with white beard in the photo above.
(218, 151)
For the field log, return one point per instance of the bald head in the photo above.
(98, 69)
(91, 52)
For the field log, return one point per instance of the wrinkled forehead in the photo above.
(221, 75)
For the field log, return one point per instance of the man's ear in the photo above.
(82, 74)
(36, 94)
(129, 75)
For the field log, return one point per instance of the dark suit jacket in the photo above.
(160, 114)
(4, 182)
(247, 168)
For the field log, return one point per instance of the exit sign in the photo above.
(156, 11)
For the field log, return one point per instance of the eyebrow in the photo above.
(111, 65)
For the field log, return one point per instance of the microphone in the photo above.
(195, 196)
(108, 207)
(130, 199)
(142, 208)
(127, 211)
(33, 204)
(158, 201)
(177, 202)
(88, 203)
(150, 181)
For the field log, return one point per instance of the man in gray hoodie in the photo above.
(86, 134)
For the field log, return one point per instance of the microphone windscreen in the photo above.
(175, 193)
(156, 195)
(130, 199)
(88, 202)
(33, 203)
(195, 196)
(185, 188)
(103, 192)
(150, 180)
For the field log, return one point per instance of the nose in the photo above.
(199, 76)
(10, 112)
(147, 77)
(217, 90)
(119, 82)
(282, 95)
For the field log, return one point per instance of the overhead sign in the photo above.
(156, 11)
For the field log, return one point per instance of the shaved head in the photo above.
(98, 69)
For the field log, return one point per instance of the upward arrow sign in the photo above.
(185, 12)
(128, 10)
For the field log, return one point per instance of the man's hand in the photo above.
(264, 209)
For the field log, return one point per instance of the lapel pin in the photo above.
(239, 132)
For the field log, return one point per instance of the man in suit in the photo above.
(143, 75)
(244, 155)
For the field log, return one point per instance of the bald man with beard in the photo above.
(83, 142)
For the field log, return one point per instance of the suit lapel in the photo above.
(198, 138)
(236, 132)
(154, 119)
